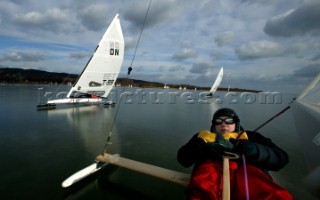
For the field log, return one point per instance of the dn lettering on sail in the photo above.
(114, 48)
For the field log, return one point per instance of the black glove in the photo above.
(226, 143)
(246, 147)
(215, 149)
(220, 146)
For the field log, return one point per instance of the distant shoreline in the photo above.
(32, 76)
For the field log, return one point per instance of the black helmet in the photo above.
(226, 112)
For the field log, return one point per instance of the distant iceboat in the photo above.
(101, 72)
(216, 83)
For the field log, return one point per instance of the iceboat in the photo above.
(100, 73)
(216, 83)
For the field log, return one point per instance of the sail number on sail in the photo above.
(114, 48)
(108, 78)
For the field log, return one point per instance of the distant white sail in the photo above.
(217, 82)
(102, 70)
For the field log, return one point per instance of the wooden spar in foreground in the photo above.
(144, 168)
(226, 174)
(226, 179)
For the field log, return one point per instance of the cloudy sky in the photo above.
(270, 45)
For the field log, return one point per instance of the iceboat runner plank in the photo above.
(144, 168)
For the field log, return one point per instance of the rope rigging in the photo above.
(128, 74)
(246, 184)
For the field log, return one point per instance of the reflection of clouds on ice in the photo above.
(91, 123)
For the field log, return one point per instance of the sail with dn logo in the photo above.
(100, 73)
(114, 48)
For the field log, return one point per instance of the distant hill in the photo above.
(29, 76)
(32, 76)
(17, 75)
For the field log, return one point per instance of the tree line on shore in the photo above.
(33, 76)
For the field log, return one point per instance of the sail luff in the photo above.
(309, 87)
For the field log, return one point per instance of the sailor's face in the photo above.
(225, 124)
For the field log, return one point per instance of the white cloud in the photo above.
(259, 49)
(23, 57)
(51, 20)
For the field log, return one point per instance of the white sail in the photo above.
(100, 74)
(217, 82)
(306, 112)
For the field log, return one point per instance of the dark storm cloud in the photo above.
(201, 68)
(78, 56)
(159, 12)
(301, 21)
(184, 54)
(225, 38)
(316, 58)
(94, 17)
(176, 68)
(309, 71)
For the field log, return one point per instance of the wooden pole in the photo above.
(144, 168)
(226, 179)
(226, 174)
